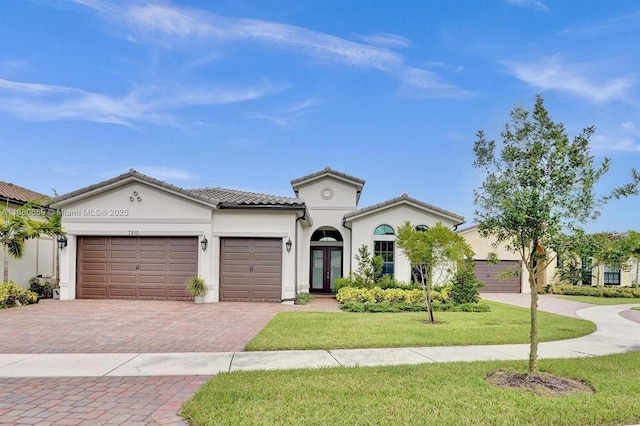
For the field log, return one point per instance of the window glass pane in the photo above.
(421, 228)
(384, 230)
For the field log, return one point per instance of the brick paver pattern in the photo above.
(132, 326)
(93, 326)
(96, 400)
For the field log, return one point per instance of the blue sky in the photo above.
(252, 94)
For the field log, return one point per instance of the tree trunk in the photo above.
(6, 265)
(533, 351)
(637, 263)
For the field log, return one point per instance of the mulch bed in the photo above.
(540, 384)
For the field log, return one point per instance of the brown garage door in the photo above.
(251, 269)
(490, 275)
(135, 267)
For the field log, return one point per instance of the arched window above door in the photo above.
(326, 235)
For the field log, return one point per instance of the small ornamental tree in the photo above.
(430, 251)
(538, 187)
(578, 256)
(369, 267)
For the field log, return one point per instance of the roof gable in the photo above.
(402, 199)
(132, 175)
(326, 172)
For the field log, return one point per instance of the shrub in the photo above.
(464, 285)
(360, 307)
(303, 299)
(12, 294)
(576, 290)
(42, 288)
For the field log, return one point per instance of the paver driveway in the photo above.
(92, 326)
(88, 326)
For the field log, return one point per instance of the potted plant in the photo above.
(197, 288)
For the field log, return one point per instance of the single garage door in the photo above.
(251, 269)
(135, 267)
(490, 275)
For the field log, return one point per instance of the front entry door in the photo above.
(326, 266)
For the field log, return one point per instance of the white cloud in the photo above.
(42, 102)
(386, 39)
(553, 74)
(534, 4)
(177, 26)
(625, 138)
(278, 121)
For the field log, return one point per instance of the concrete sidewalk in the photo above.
(615, 334)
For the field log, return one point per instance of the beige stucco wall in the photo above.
(38, 258)
(363, 233)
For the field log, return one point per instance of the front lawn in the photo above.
(334, 330)
(602, 300)
(434, 394)
(637, 308)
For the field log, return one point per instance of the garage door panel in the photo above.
(122, 292)
(122, 241)
(93, 292)
(136, 267)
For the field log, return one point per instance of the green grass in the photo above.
(434, 394)
(637, 308)
(333, 330)
(602, 300)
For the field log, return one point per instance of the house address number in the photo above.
(134, 233)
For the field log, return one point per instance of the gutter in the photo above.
(230, 205)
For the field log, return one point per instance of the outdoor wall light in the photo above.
(204, 243)
(62, 242)
(288, 244)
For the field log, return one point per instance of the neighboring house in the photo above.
(495, 279)
(137, 237)
(39, 254)
(506, 276)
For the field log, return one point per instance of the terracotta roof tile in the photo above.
(401, 198)
(235, 196)
(330, 171)
(17, 193)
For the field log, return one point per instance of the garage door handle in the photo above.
(137, 267)
(251, 268)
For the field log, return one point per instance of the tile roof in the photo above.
(404, 197)
(137, 175)
(327, 170)
(212, 196)
(234, 196)
(13, 192)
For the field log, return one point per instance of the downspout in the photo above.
(344, 224)
(295, 238)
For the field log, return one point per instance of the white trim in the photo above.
(250, 234)
(125, 219)
(145, 233)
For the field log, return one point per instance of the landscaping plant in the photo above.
(539, 185)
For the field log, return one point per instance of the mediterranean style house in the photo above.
(40, 253)
(137, 237)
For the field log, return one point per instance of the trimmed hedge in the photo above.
(373, 307)
(12, 294)
(389, 295)
(577, 290)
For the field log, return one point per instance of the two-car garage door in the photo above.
(135, 267)
(501, 277)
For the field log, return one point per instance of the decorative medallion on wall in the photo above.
(135, 197)
(326, 193)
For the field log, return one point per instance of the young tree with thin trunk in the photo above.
(538, 187)
(429, 251)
